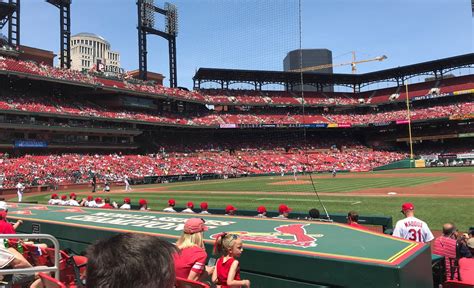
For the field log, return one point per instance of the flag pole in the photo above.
(409, 121)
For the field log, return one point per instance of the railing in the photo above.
(33, 270)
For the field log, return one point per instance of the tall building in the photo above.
(89, 50)
(309, 57)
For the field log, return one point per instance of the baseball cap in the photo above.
(90, 198)
(142, 202)
(54, 196)
(408, 206)
(126, 200)
(204, 205)
(229, 208)
(470, 243)
(171, 202)
(72, 195)
(63, 197)
(283, 209)
(194, 225)
(3, 206)
(190, 205)
(261, 209)
(98, 199)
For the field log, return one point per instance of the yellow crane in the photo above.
(353, 64)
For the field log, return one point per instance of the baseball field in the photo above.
(439, 194)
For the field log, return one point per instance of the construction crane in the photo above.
(353, 64)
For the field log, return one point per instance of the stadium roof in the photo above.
(397, 74)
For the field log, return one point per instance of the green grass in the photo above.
(429, 170)
(435, 211)
(265, 184)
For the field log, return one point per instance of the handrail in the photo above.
(33, 270)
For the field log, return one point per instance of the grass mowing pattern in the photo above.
(434, 211)
(264, 184)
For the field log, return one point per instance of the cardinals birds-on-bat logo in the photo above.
(287, 235)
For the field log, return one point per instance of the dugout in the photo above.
(278, 253)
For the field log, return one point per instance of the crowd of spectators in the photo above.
(58, 105)
(229, 96)
(79, 168)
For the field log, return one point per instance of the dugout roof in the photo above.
(399, 74)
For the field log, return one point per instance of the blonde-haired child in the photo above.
(190, 261)
(227, 272)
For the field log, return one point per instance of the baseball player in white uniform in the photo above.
(127, 183)
(412, 228)
(20, 188)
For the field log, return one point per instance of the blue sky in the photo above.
(246, 34)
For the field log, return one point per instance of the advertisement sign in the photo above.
(30, 144)
(344, 125)
(228, 126)
(401, 121)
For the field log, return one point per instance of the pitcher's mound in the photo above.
(291, 182)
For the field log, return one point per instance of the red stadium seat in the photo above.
(50, 282)
(185, 283)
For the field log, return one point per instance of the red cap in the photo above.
(126, 200)
(72, 195)
(261, 209)
(171, 202)
(63, 197)
(408, 206)
(283, 209)
(142, 202)
(204, 206)
(98, 199)
(194, 225)
(54, 196)
(229, 208)
(90, 198)
(190, 205)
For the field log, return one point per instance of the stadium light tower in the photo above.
(64, 7)
(10, 12)
(146, 25)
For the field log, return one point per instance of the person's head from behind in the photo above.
(228, 245)
(470, 244)
(143, 204)
(314, 213)
(127, 260)
(352, 217)
(204, 206)
(408, 209)
(192, 234)
(284, 210)
(449, 230)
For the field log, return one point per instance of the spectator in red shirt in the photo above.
(107, 204)
(5, 226)
(353, 220)
(227, 271)
(445, 245)
(190, 261)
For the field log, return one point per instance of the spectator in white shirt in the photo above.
(189, 208)
(54, 199)
(204, 207)
(126, 204)
(170, 208)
